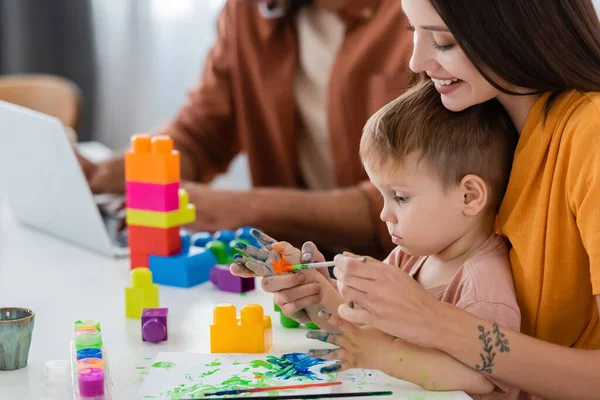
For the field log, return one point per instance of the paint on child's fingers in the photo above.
(337, 367)
(251, 251)
(259, 268)
(327, 337)
(263, 238)
(326, 354)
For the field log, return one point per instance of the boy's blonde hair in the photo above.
(480, 140)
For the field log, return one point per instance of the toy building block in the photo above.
(220, 251)
(200, 239)
(138, 259)
(244, 234)
(152, 196)
(152, 160)
(222, 278)
(251, 333)
(155, 219)
(157, 241)
(187, 211)
(154, 325)
(189, 268)
(287, 322)
(224, 236)
(141, 294)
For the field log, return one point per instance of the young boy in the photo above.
(442, 176)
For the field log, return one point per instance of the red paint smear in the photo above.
(282, 266)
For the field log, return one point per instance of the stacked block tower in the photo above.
(156, 209)
(155, 205)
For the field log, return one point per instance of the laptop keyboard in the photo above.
(113, 220)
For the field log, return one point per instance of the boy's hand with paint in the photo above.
(300, 295)
(370, 348)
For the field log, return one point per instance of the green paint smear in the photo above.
(236, 363)
(147, 358)
(261, 363)
(208, 373)
(140, 367)
(189, 377)
(163, 364)
(215, 363)
(273, 374)
(243, 295)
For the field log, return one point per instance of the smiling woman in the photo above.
(541, 61)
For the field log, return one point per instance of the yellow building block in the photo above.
(153, 219)
(156, 219)
(187, 211)
(252, 333)
(141, 294)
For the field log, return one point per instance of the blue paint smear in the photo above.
(294, 365)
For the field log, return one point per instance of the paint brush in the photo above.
(283, 265)
(299, 267)
(270, 388)
(322, 396)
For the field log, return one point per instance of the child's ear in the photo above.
(474, 194)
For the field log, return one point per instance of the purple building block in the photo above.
(224, 280)
(154, 324)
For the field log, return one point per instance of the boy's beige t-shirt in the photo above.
(482, 286)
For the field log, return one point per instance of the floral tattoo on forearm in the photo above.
(488, 354)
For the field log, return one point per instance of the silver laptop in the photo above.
(45, 186)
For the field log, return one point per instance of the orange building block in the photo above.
(252, 333)
(152, 160)
(155, 241)
(138, 259)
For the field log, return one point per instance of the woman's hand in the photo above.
(383, 296)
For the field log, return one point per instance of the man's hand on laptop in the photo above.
(105, 177)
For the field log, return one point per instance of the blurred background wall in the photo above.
(133, 59)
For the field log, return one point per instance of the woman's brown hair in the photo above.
(542, 45)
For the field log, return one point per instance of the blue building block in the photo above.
(224, 236)
(200, 239)
(244, 233)
(189, 268)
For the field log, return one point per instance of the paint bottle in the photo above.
(91, 382)
(83, 331)
(89, 353)
(86, 324)
(90, 363)
(88, 341)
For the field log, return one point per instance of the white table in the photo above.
(62, 283)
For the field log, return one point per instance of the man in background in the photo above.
(291, 83)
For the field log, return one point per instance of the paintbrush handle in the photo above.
(299, 267)
(272, 388)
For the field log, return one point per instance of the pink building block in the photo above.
(153, 196)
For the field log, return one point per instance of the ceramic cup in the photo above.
(16, 327)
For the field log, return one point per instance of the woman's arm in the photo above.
(370, 348)
(535, 366)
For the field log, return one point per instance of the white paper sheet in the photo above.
(190, 375)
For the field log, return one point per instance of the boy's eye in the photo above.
(401, 199)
